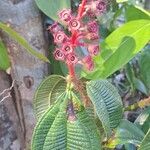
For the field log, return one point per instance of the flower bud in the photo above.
(90, 13)
(93, 49)
(59, 55)
(65, 15)
(60, 37)
(74, 24)
(96, 7)
(54, 28)
(88, 63)
(87, 59)
(90, 66)
(100, 6)
(92, 26)
(92, 36)
(67, 48)
(72, 58)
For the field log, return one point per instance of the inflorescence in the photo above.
(83, 34)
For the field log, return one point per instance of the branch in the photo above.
(141, 104)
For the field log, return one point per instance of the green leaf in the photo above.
(135, 13)
(143, 120)
(76, 134)
(48, 92)
(119, 58)
(139, 85)
(121, 1)
(145, 145)
(61, 132)
(121, 46)
(57, 134)
(52, 7)
(90, 129)
(18, 38)
(144, 65)
(4, 59)
(130, 75)
(126, 132)
(135, 82)
(107, 103)
(43, 126)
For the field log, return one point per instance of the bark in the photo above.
(147, 4)
(26, 70)
(10, 129)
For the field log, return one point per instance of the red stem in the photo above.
(81, 9)
(71, 67)
(71, 70)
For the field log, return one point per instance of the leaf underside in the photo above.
(65, 134)
(18, 38)
(47, 93)
(107, 103)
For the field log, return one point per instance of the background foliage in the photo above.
(125, 31)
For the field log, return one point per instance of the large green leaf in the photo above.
(57, 134)
(90, 129)
(121, 46)
(126, 132)
(43, 126)
(47, 93)
(52, 7)
(4, 59)
(18, 38)
(145, 145)
(76, 134)
(60, 132)
(135, 13)
(107, 103)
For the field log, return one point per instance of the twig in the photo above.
(9, 89)
(5, 97)
(7, 92)
(141, 104)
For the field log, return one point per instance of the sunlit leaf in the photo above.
(18, 38)
(135, 13)
(121, 1)
(4, 59)
(120, 47)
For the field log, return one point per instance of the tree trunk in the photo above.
(26, 70)
(10, 129)
(147, 4)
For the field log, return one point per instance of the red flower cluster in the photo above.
(83, 34)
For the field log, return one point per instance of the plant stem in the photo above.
(71, 70)
(71, 67)
(141, 104)
(81, 9)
